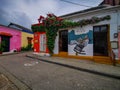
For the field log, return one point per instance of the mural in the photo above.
(78, 40)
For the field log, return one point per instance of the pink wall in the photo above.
(15, 40)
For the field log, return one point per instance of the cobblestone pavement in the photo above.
(46, 76)
(6, 84)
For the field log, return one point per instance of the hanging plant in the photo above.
(39, 28)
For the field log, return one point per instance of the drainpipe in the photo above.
(117, 21)
(117, 29)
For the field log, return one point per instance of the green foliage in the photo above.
(51, 34)
(40, 28)
(2, 44)
(27, 48)
(93, 20)
(23, 49)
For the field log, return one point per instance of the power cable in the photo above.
(75, 3)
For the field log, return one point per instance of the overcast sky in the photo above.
(26, 12)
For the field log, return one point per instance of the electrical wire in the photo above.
(75, 3)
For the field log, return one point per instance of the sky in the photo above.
(27, 12)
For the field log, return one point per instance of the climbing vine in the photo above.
(51, 24)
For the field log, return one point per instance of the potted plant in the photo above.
(1, 46)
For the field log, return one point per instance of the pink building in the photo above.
(11, 37)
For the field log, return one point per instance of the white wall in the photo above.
(114, 22)
(56, 46)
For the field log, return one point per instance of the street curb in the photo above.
(77, 68)
(14, 53)
(19, 84)
(9, 54)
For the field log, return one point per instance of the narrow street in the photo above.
(40, 75)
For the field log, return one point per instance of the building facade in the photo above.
(11, 37)
(40, 44)
(15, 37)
(26, 34)
(94, 41)
(26, 38)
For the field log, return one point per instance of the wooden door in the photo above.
(63, 41)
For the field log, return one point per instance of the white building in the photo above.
(93, 41)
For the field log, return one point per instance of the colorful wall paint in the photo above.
(24, 39)
(40, 42)
(36, 42)
(79, 41)
(15, 39)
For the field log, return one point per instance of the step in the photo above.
(103, 60)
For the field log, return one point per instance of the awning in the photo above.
(5, 34)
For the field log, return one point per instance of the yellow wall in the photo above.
(24, 41)
(97, 59)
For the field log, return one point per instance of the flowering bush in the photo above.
(52, 24)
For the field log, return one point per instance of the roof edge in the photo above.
(89, 10)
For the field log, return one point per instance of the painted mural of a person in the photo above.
(85, 41)
(81, 43)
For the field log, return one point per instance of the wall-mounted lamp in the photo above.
(115, 35)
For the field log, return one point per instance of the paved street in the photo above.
(6, 84)
(40, 75)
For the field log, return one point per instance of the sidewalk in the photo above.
(12, 53)
(7, 80)
(6, 84)
(82, 65)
